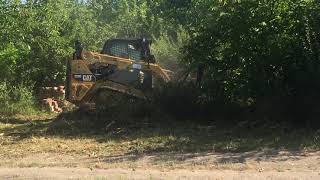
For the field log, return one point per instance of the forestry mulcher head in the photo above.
(124, 66)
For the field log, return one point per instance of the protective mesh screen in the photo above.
(126, 51)
(120, 50)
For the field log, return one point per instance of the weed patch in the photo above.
(16, 100)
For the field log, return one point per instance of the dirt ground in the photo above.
(60, 148)
(80, 173)
(250, 165)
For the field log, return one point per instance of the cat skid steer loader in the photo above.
(124, 67)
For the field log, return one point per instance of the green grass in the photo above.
(17, 99)
(147, 136)
(81, 140)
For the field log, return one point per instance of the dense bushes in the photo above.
(167, 49)
(16, 99)
(37, 37)
(254, 52)
(256, 49)
(178, 99)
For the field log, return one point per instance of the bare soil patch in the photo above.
(81, 173)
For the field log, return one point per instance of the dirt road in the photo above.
(81, 173)
(254, 165)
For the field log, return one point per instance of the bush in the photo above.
(260, 51)
(179, 100)
(16, 99)
(167, 49)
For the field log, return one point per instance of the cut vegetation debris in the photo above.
(71, 140)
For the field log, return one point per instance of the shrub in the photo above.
(16, 99)
(177, 99)
(167, 49)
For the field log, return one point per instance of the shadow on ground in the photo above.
(164, 139)
(215, 158)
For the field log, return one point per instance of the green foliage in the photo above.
(36, 37)
(252, 52)
(8, 60)
(167, 50)
(253, 49)
(16, 99)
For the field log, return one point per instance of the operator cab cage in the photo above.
(134, 49)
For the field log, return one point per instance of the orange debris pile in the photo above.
(53, 98)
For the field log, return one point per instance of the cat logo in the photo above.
(87, 78)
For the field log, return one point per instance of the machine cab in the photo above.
(134, 49)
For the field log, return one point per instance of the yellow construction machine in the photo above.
(124, 66)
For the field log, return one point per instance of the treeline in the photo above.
(37, 36)
(260, 56)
